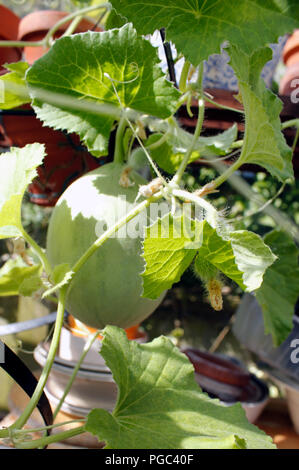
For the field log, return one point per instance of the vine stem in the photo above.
(124, 111)
(242, 187)
(290, 123)
(21, 421)
(212, 215)
(49, 37)
(44, 441)
(227, 174)
(223, 106)
(5, 43)
(119, 150)
(295, 140)
(201, 110)
(72, 27)
(184, 76)
(238, 144)
(20, 432)
(123, 221)
(38, 250)
(90, 340)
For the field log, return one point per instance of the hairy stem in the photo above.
(291, 123)
(44, 441)
(295, 140)
(242, 187)
(223, 106)
(5, 43)
(72, 27)
(21, 421)
(201, 109)
(212, 215)
(227, 173)
(49, 37)
(184, 76)
(119, 150)
(39, 251)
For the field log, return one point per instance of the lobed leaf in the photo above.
(159, 404)
(279, 291)
(17, 170)
(17, 278)
(249, 24)
(170, 154)
(10, 97)
(114, 67)
(169, 249)
(264, 143)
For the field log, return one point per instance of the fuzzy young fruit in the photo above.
(208, 274)
(108, 287)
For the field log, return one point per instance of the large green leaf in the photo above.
(17, 170)
(240, 255)
(264, 143)
(280, 289)
(159, 404)
(170, 154)
(199, 27)
(16, 78)
(18, 278)
(167, 253)
(79, 66)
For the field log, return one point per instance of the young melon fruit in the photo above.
(108, 288)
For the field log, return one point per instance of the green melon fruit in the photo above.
(108, 288)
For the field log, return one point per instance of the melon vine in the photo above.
(117, 241)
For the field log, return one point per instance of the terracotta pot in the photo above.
(34, 27)
(9, 24)
(291, 49)
(228, 380)
(66, 159)
(133, 332)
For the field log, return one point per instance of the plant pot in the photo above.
(249, 330)
(289, 83)
(290, 387)
(73, 340)
(66, 159)
(94, 386)
(291, 49)
(34, 27)
(9, 24)
(227, 379)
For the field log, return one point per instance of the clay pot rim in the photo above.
(217, 368)
(9, 23)
(291, 46)
(43, 20)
